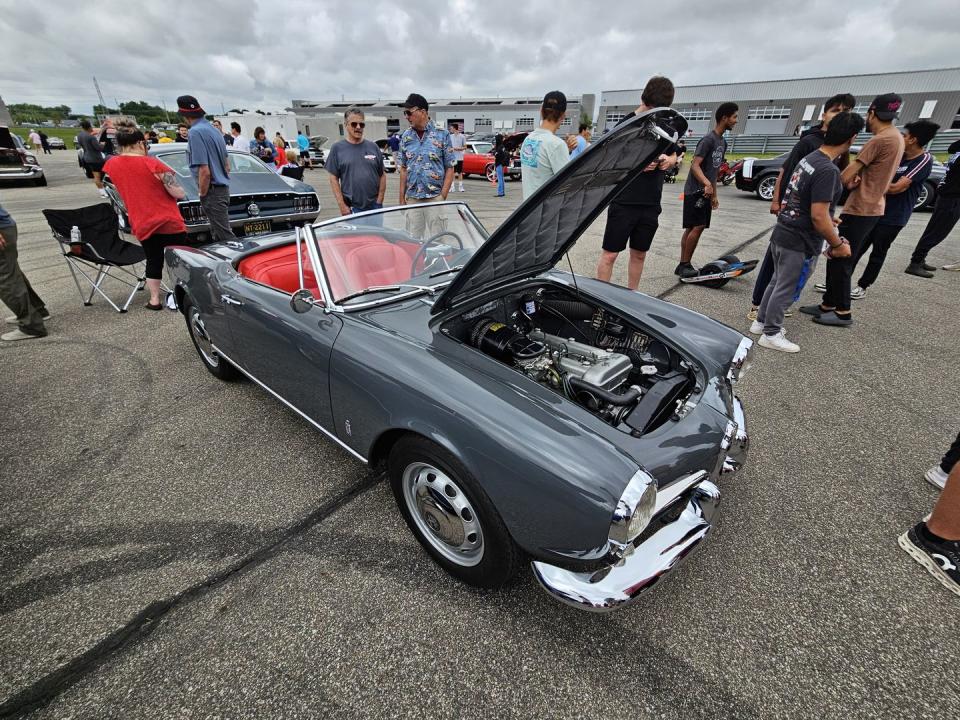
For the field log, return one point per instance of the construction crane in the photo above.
(103, 103)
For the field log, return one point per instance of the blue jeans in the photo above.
(500, 188)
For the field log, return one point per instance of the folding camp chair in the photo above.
(100, 248)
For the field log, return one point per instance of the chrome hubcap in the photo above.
(767, 186)
(443, 514)
(204, 344)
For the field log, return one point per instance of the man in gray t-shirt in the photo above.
(356, 168)
(700, 190)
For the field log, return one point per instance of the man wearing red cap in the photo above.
(207, 153)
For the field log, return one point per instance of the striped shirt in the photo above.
(900, 206)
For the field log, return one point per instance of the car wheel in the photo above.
(927, 192)
(450, 515)
(491, 172)
(766, 186)
(203, 343)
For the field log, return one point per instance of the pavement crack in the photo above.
(732, 251)
(40, 693)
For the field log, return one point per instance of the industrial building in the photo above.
(475, 115)
(781, 107)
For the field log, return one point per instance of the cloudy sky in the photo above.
(262, 53)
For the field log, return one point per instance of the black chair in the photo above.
(99, 247)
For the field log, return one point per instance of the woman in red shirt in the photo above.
(149, 190)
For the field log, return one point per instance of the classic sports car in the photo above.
(478, 158)
(56, 143)
(261, 201)
(759, 175)
(16, 162)
(522, 412)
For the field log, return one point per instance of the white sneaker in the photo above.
(756, 328)
(858, 293)
(936, 476)
(820, 287)
(12, 319)
(789, 312)
(778, 342)
(952, 266)
(18, 334)
(461, 187)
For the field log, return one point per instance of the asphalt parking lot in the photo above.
(173, 546)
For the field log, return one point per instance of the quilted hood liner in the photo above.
(545, 226)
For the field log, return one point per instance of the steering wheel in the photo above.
(421, 253)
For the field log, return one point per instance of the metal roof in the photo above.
(903, 82)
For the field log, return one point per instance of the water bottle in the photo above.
(75, 235)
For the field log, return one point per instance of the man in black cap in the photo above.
(868, 176)
(426, 161)
(207, 154)
(542, 153)
(946, 213)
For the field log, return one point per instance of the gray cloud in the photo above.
(263, 53)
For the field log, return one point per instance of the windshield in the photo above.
(482, 148)
(417, 245)
(240, 162)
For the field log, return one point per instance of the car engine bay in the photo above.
(626, 377)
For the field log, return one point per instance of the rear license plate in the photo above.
(257, 227)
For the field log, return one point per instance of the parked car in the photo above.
(521, 412)
(389, 161)
(318, 151)
(759, 176)
(56, 143)
(478, 158)
(16, 162)
(261, 201)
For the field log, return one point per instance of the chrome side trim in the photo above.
(740, 362)
(299, 412)
(620, 584)
(736, 441)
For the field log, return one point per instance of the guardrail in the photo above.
(777, 144)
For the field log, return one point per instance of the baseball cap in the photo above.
(555, 100)
(188, 106)
(415, 100)
(887, 106)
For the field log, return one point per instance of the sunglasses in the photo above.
(358, 125)
(408, 113)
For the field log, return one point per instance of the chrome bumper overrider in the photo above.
(643, 564)
(613, 587)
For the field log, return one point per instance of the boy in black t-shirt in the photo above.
(809, 141)
(804, 223)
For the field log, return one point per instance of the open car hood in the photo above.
(6, 139)
(513, 142)
(546, 225)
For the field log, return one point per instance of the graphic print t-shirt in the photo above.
(711, 148)
(815, 179)
(541, 157)
(359, 167)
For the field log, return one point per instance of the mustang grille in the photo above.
(268, 205)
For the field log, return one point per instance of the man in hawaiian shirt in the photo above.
(425, 160)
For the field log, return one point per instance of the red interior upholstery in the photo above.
(359, 261)
(277, 267)
(374, 264)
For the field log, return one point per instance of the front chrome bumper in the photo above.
(27, 172)
(652, 558)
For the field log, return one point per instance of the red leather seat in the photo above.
(381, 263)
(277, 268)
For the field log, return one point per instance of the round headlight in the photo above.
(635, 508)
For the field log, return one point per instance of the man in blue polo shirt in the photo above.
(207, 153)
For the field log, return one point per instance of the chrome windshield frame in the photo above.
(316, 257)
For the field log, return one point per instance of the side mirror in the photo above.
(301, 301)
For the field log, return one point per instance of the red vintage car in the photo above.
(478, 158)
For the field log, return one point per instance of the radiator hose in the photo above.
(626, 398)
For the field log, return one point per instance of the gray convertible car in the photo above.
(523, 413)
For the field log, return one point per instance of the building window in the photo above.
(614, 117)
(524, 123)
(482, 124)
(926, 112)
(768, 112)
(861, 109)
(808, 112)
(566, 122)
(696, 113)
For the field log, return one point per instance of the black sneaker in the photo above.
(919, 270)
(814, 310)
(927, 266)
(686, 270)
(942, 560)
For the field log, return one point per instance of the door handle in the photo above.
(230, 300)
